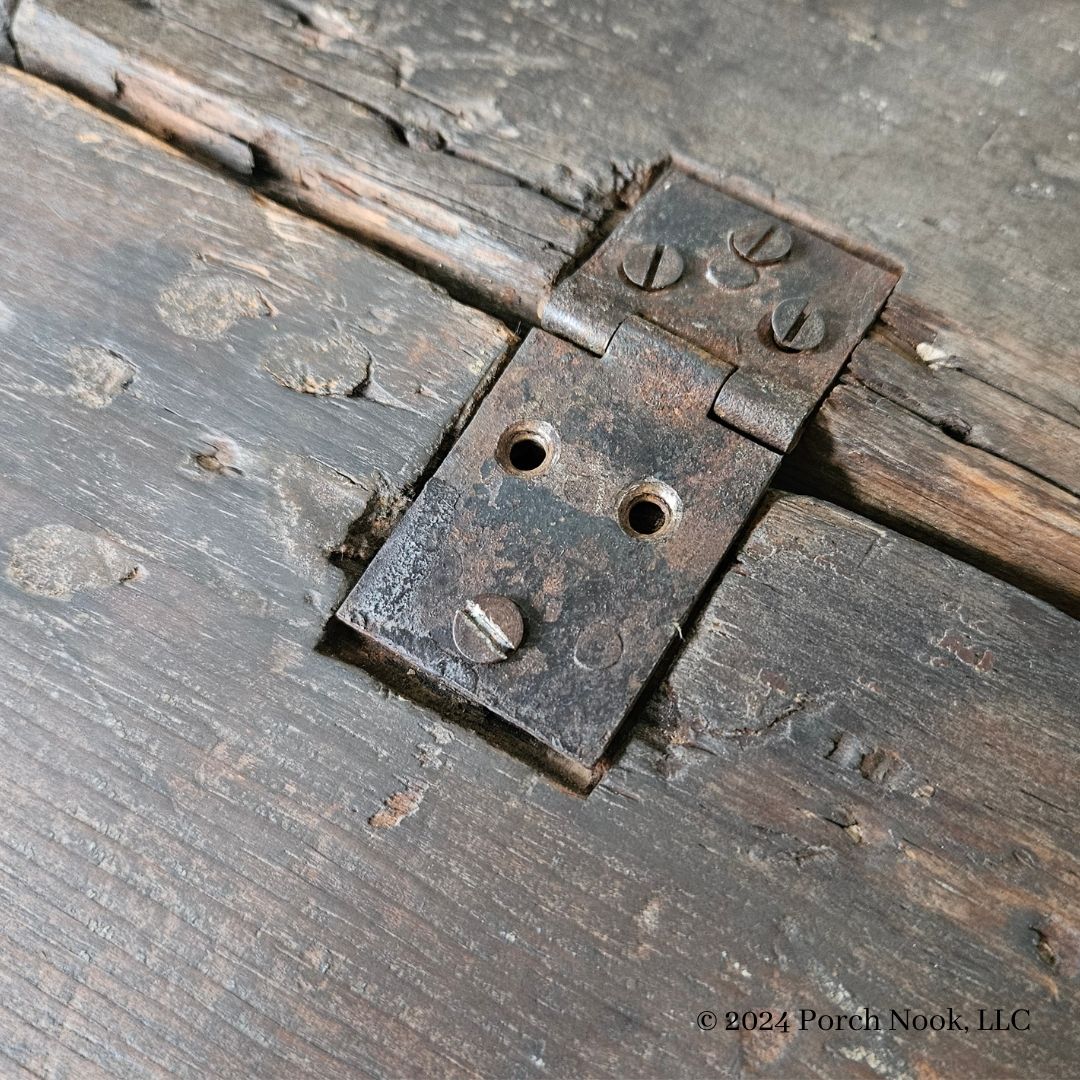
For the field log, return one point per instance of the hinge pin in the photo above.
(614, 462)
(653, 266)
(488, 629)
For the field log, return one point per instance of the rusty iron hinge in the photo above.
(552, 559)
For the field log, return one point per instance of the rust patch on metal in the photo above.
(553, 558)
(777, 302)
(597, 495)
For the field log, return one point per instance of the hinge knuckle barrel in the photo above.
(550, 562)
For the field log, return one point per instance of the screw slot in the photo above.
(762, 241)
(797, 325)
(649, 510)
(488, 628)
(528, 448)
(653, 266)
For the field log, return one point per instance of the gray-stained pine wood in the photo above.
(945, 136)
(482, 142)
(225, 851)
(941, 132)
(310, 143)
(220, 327)
(867, 448)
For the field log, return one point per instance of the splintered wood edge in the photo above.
(872, 456)
(57, 49)
(507, 256)
(908, 439)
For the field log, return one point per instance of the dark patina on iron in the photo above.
(593, 494)
(552, 559)
(739, 271)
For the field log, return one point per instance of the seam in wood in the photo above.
(959, 434)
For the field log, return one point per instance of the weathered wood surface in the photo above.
(314, 145)
(868, 448)
(226, 853)
(220, 320)
(202, 876)
(928, 382)
(916, 128)
(200, 393)
(855, 729)
(416, 124)
(7, 50)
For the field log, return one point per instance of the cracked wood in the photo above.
(224, 852)
(481, 141)
(868, 448)
(940, 148)
(254, 349)
(321, 147)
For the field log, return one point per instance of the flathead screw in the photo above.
(488, 629)
(797, 326)
(762, 242)
(653, 266)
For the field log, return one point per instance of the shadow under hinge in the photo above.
(552, 559)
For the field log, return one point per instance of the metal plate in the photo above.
(682, 240)
(599, 603)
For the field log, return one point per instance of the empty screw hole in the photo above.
(528, 448)
(527, 454)
(649, 510)
(646, 516)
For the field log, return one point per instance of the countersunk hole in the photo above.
(528, 448)
(649, 510)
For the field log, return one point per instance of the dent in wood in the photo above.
(98, 374)
(397, 807)
(203, 306)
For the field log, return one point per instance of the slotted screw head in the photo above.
(797, 326)
(653, 266)
(762, 242)
(488, 629)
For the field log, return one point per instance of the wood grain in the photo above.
(224, 852)
(7, 49)
(914, 129)
(204, 391)
(870, 448)
(929, 381)
(854, 730)
(415, 125)
(235, 323)
(313, 145)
